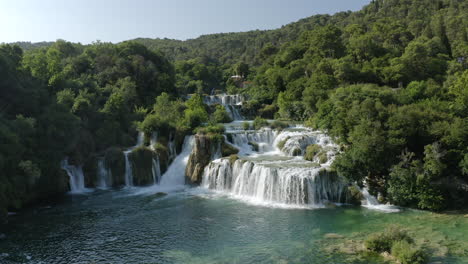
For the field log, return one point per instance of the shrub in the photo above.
(406, 253)
(383, 242)
(280, 125)
(220, 115)
(228, 150)
(354, 195)
(282, 143)
(246, 125)
(211, 129)
(311, 151)
(259, 123)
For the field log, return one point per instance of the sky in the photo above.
(86, 21)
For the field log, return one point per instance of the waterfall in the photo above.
(270, 184)
(77, 183)
(230, 103)
(153, 140)
(264, 138)
(128, 170)
(104, 175)
(128, 165)
(175, 174)
(371, 202)
(156, 170)
(172, 149)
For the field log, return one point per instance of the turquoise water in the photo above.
(196, 226)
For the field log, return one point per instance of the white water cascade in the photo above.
(128, 166)
(274, 176)
(371, 202)
(77, 183)
(230, 103)
(156, 170)
(175, 174)
(104, 175)
(268, 183)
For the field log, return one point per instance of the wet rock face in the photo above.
(205, 149)
(142, 165)
(115, 160)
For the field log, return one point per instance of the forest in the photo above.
(389, 83)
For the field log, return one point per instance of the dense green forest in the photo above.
(389, 83)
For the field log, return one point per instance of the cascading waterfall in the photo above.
(156, 170)
(371, 202)
(230, 103)
(277, 176)
(77, 183)
(128, 165)
(264, 183)
(104, 175)
(175, 174)
(264, 138)
(156, 166)
(128, 170)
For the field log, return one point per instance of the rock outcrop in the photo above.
(205, 149)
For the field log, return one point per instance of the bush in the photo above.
(220, 115)
(354, 195)
(311, 151)
(280, 125)
(383, 242)
(211, 129)
(259, 123)
(246, 125)
(282, 143)
(228, 150)
(406, 253)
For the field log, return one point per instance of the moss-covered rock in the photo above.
(233, 158)
(282, 143)
(163, 153)
(141, 159)
(114, 159)
(316, 151)
(311, 151)
(354, 195)
(254, 145)
(90, 171)
(297, 152)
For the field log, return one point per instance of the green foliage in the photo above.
(196, 113)
(383, 242)
(246, 126)
(312, 151)
(220, 115)
(279, 125)
(259, 123)
(282, 143)
(227, 150)
(406, 253)
(354, 196)
(142, 164)
(211, 129)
